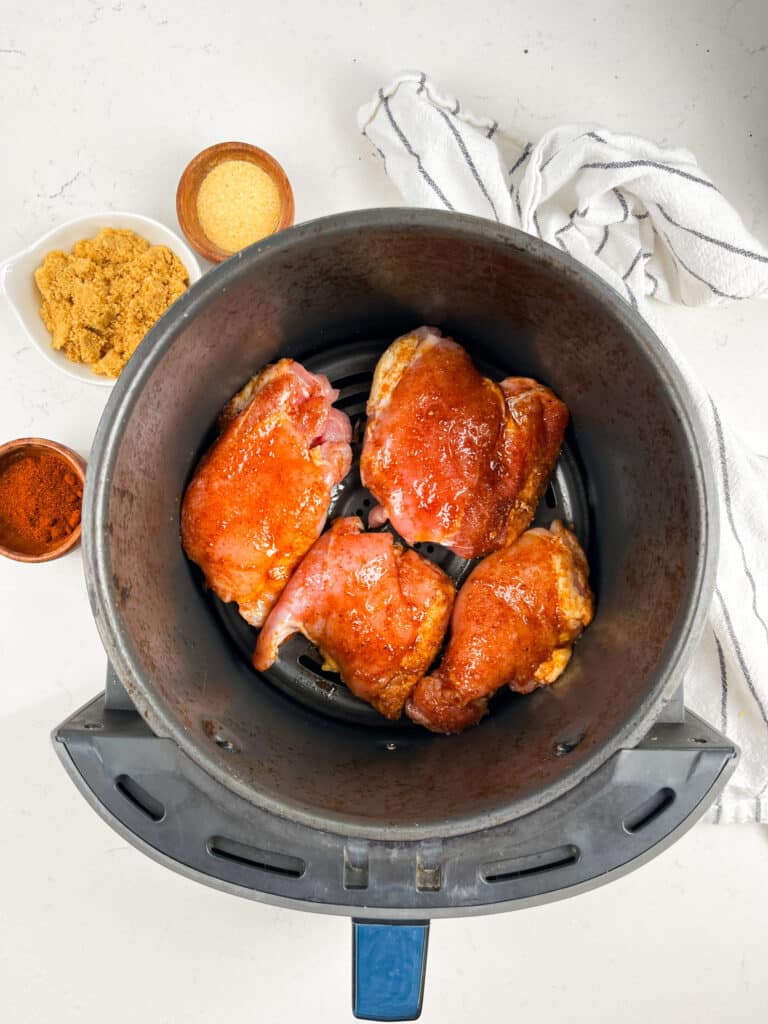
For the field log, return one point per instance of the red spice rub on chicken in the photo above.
(451, 456)
(514, 623)
(259, 497)
(377, 612)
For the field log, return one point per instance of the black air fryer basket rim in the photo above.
(96, 546)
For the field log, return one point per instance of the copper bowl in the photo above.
(196, 172)
(14, 450)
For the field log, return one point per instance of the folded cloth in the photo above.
(649, 221)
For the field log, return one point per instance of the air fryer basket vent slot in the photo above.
(139, 798)
(649, 810)
(314, 666)
(356, 865)
(251, 857)
(530, 864)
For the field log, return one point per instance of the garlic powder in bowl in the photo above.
(231, 196)
(238, 203)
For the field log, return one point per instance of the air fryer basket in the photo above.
(634, 480)
(298, 670)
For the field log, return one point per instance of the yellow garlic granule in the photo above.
(237, 204)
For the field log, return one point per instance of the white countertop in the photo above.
(102, 104)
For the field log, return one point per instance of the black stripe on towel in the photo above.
(422, 80)
(380, 151)
(631, 294)
(723, 683)
(688, 270)
(715, 241)
(492, 130)
(655, 280)
(412, 152)
(470, 162)
(759, 802)
(723, 709)
(632, 265)
(522, 158)
(561, 231)
(623, 202)
(549, 160)
(648, 163)
(729, 511)
(740, 658)
(574, 213)
(600, 247)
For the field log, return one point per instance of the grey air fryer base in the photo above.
(158, 799)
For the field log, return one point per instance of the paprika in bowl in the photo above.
(41, 493)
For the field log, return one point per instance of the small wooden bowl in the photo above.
(197, 170)
(13, 449)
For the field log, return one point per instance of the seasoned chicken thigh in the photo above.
(451, 456)
(514, 622)
(259, 497)
(376, 612)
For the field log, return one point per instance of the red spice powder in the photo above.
(40, 500)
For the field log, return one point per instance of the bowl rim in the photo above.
(119, 644)
(78, 464)
(48, 240)
(200, 166)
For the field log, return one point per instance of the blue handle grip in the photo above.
(388, 965)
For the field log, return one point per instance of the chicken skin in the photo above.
(451, 456)
(259, 497)
(514, 623)
(377, 613)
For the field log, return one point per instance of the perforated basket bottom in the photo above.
(298, 671)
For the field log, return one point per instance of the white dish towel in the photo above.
(649, 221)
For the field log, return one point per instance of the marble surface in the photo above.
(104, 103)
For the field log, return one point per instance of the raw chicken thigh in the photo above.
(377, 613)
(514, 622)
(452, 457)
(259, 497)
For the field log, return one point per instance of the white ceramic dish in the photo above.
(17, 281)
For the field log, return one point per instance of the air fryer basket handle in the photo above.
(388, 966)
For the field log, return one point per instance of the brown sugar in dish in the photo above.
(101, 298)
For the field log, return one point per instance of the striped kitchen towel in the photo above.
(649, 221)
